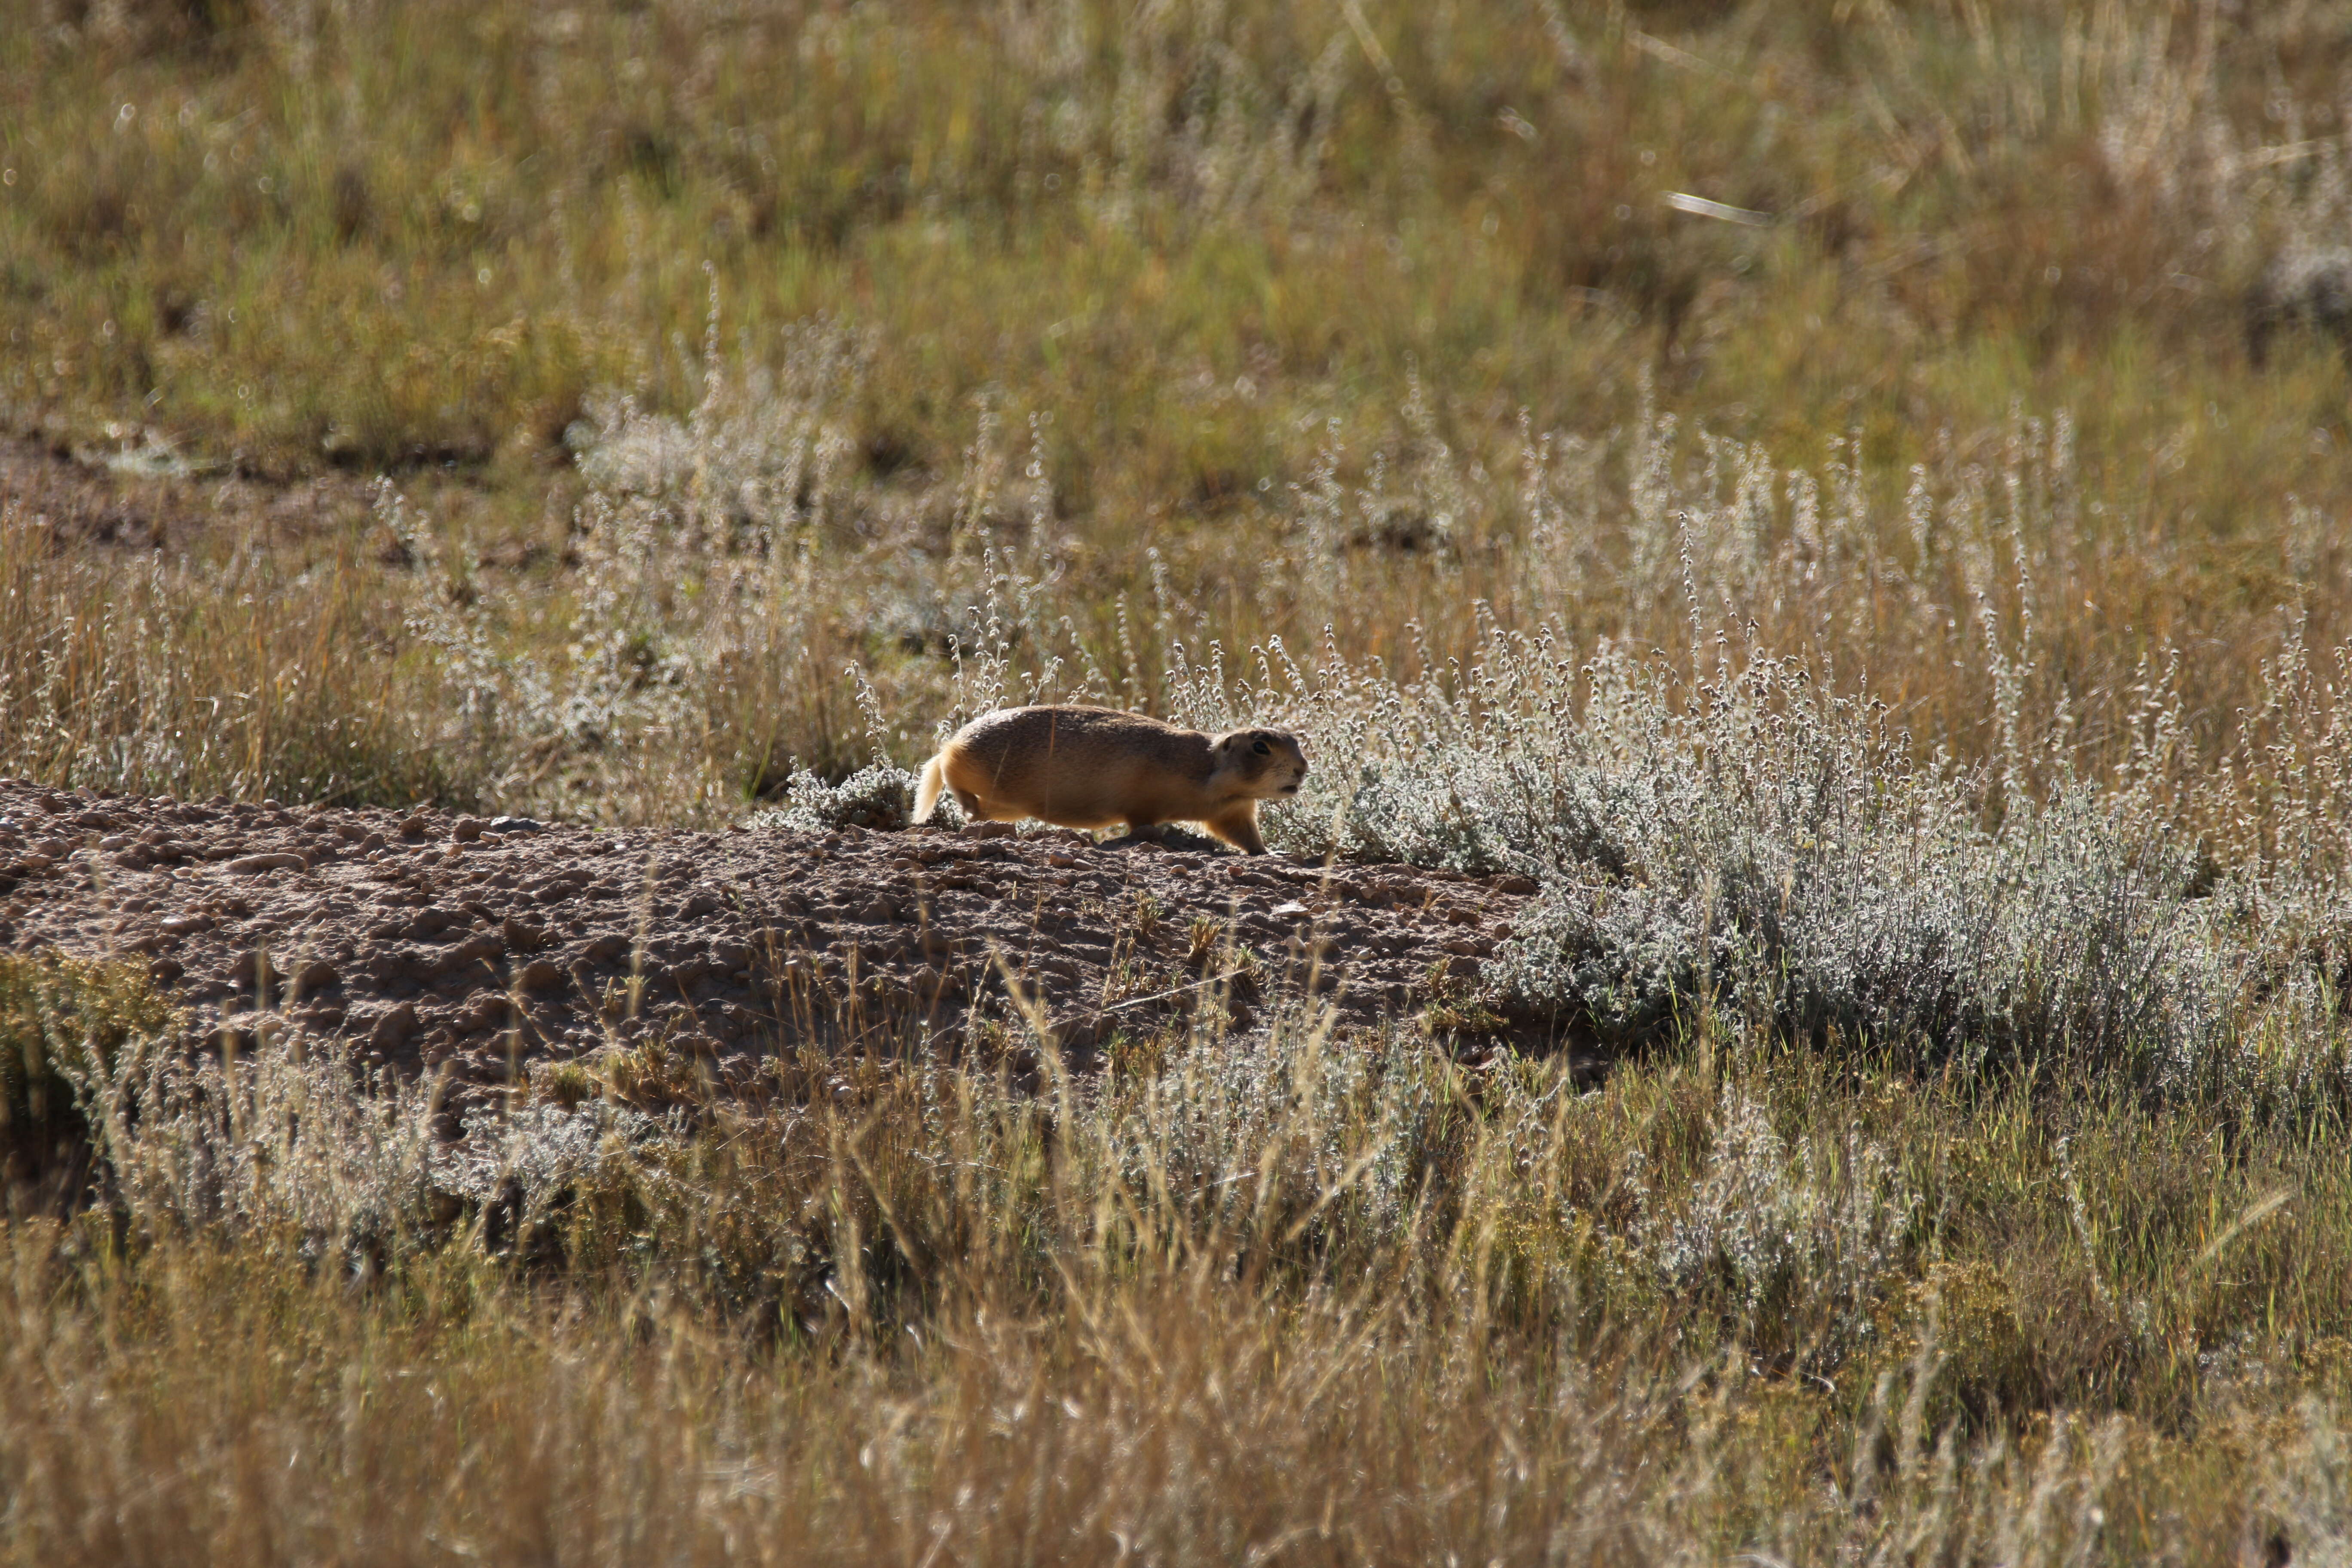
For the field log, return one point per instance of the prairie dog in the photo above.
(1093, 767)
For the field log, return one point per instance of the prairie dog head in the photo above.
(1265, 763)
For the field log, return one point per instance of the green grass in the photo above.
(1194, 264)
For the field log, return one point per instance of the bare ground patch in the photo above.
(434, 941)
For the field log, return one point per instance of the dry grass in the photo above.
(1391, 316)
(1904, 636)
(244, 677)
(1306, 1298)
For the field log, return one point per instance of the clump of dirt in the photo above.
(480, 947)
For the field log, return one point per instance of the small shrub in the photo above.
(880, 797)
(1795, 1247)
(64, 1023)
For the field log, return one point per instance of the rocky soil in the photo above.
(481, 948)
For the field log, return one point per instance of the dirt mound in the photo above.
(432, 940)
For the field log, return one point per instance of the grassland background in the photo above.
(1242, 286)
(753, 383)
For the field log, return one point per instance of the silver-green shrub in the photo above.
(1763, 846)
(880, 797)
(1795, 1246)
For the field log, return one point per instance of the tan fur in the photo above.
(1097, 767)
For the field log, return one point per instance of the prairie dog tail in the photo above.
(926, 794)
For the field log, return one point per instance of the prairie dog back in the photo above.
(1097, 767)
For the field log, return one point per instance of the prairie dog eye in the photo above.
(1261, 748)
